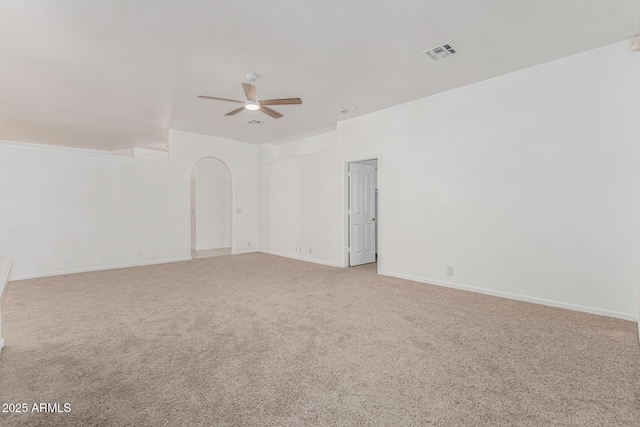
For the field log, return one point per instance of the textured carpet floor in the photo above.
(258, 340)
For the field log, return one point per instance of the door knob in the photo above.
(373, 219)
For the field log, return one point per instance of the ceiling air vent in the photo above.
(440, 52)
(256, 122)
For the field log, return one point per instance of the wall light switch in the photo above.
(239, 210)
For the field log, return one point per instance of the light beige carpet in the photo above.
(258, 340)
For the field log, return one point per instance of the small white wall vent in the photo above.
(440, 52)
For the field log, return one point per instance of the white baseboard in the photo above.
(246, 251)
(535, 300)
(299, 258)
(99, 268)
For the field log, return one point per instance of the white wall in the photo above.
(264, 197)
(5, 273)
(527, 184)
(213, 205)
(56, 203)
(300, 205)
(193, 206)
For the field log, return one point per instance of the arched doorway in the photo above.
(211, 208)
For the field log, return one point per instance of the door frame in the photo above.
(345, 204)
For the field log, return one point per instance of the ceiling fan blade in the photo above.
(219, 99)
(249, 91)
(281, 101)
(269, 111)
(237, 110)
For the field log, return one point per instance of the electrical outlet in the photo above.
(67, 260)
(139, 254)
(249, 243)
(449, 271)
(103, 257)
(310, 250)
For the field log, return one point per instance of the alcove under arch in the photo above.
(211, 202)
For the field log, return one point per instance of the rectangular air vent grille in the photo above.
(440, 52)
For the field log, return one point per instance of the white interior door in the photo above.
(362, 230)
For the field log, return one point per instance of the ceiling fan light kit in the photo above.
(252, 106)
(251, 100)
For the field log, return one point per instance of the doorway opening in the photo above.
(361, 185)
(211, 209)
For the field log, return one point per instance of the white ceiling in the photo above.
(113, 74)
